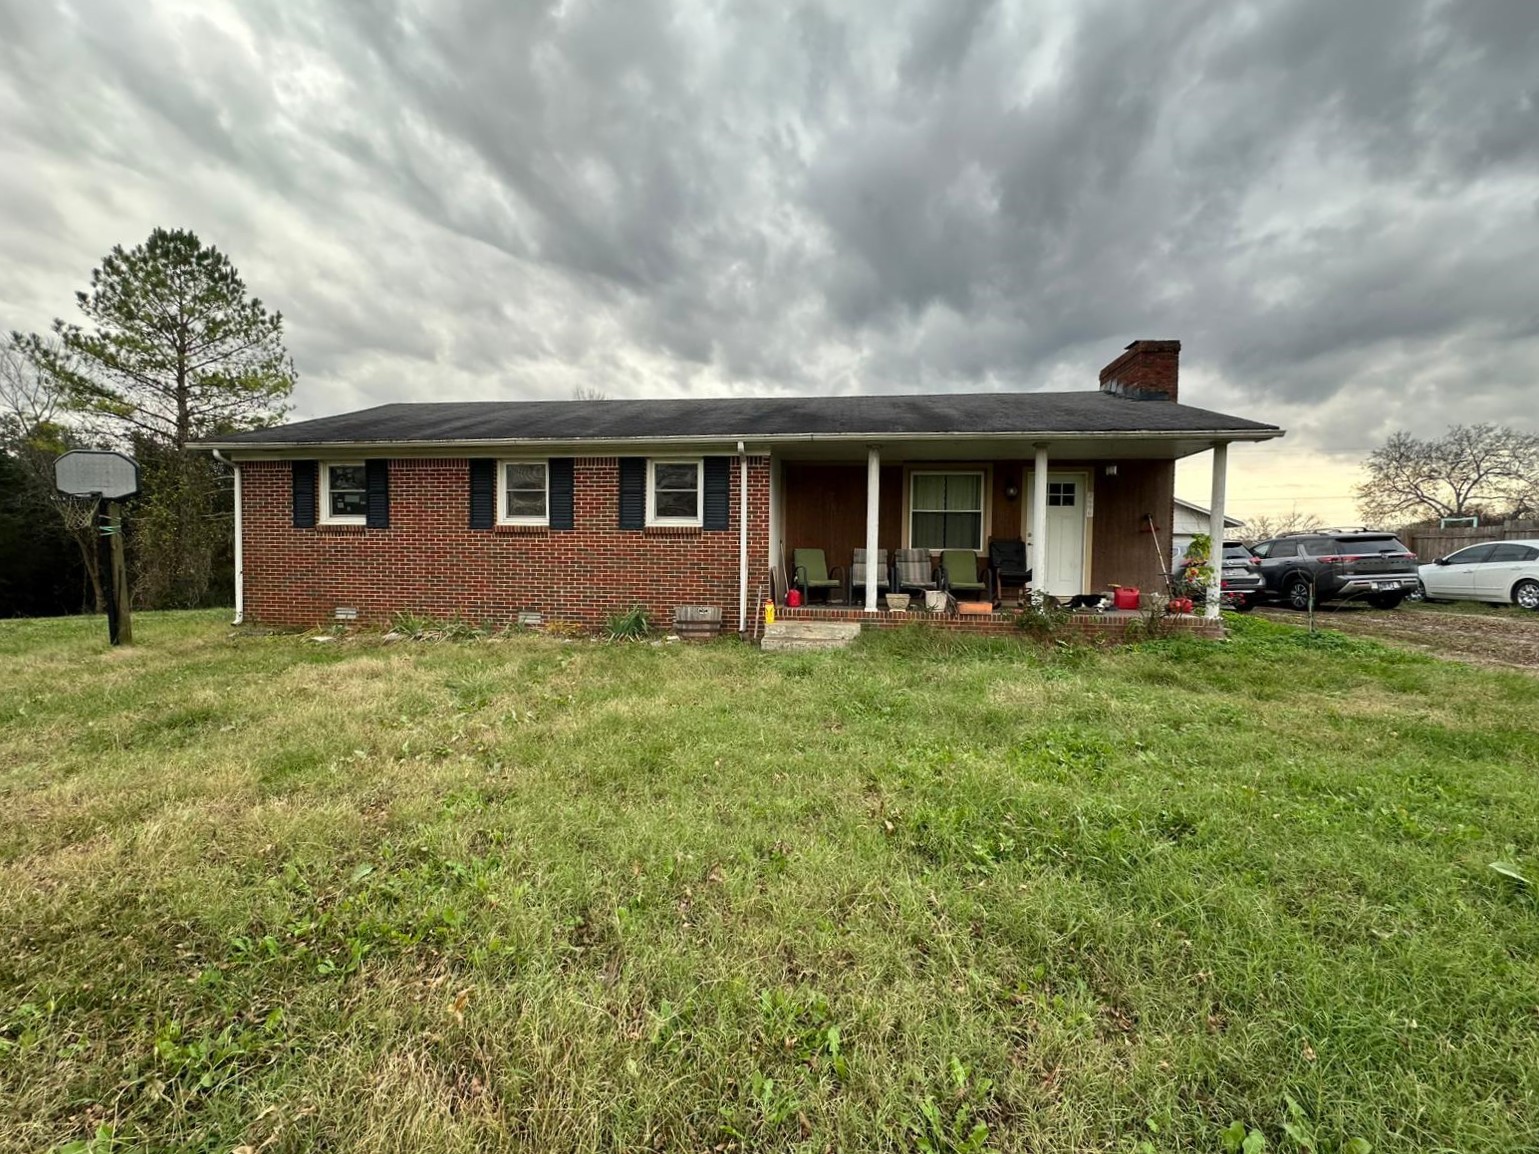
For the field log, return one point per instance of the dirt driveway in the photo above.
(1501, 639)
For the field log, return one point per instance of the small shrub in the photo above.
(1042, 617)
(632, 625)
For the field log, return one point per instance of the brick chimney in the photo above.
(1147, 371)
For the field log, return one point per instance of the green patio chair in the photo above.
(809, 571)
(959, 575)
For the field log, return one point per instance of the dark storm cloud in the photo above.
(1334, 205)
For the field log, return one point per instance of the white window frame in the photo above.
(327, 517)
(699, 517)
(503, 517)
(983, 498)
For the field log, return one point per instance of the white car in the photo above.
(1501, 572)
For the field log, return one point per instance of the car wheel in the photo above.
(1526, 594)
(1386, 600)
(1296, 591)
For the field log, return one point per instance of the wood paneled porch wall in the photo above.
(825, 508)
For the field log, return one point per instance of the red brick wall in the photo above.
(429, 562)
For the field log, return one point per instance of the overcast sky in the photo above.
(1335, 206)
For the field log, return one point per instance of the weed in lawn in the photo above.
(632, 625)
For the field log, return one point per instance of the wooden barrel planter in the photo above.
(697, 622)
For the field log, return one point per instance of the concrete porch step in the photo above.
(784, 636)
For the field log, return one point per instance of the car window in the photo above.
(1361, 545)
(1512, 553)
(1264, 549)
(1473, 555)
(1284, 549)
(1321, 548)
(1237, 553)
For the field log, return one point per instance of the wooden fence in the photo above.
(1428, 543)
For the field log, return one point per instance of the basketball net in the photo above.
(79, 513)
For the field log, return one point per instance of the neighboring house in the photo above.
(1189, 521)
(577, 510)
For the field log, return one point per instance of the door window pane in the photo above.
(1062, 494)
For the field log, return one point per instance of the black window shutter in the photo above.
(718, 493)
(560, 492)
(304, 494)
(633, 492)
(376, 478)
(483, 493)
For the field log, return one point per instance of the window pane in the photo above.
(348, 504)
(928, 531)
(962, 530)
(675, 503)
(524, 503)
(675, 476)
(526, 475)
(929, 491)
(346, 477)
(964, 491)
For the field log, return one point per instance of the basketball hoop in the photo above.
(91, 482)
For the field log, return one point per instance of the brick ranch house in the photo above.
(578, 510)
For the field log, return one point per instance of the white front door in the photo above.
(1066, 499)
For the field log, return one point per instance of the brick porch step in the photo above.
(784, 636)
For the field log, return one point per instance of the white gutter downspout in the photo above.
(742, 540)
(240, 568)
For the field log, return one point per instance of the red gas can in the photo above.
(1125, 597)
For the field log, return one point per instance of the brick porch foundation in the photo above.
(1110, 628)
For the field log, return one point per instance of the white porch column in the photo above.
(1216, 527)
(1039, 521)
(873, 513)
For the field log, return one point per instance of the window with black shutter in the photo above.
(718, 493)
(304, 473)
(561, 492)
(377, 483)
(633, 492)
(483, 493)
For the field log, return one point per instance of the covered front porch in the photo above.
(1087, 513)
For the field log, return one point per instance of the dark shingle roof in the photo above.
(748, 418)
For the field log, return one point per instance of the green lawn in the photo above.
(540, 895)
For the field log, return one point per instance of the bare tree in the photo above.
(1470, 470)
(589, 393)
(1270, 525)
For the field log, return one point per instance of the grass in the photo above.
(928, 894)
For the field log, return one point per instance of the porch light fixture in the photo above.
(1111, 470)
(1011, 492)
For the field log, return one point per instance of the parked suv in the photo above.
(1340, 565)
